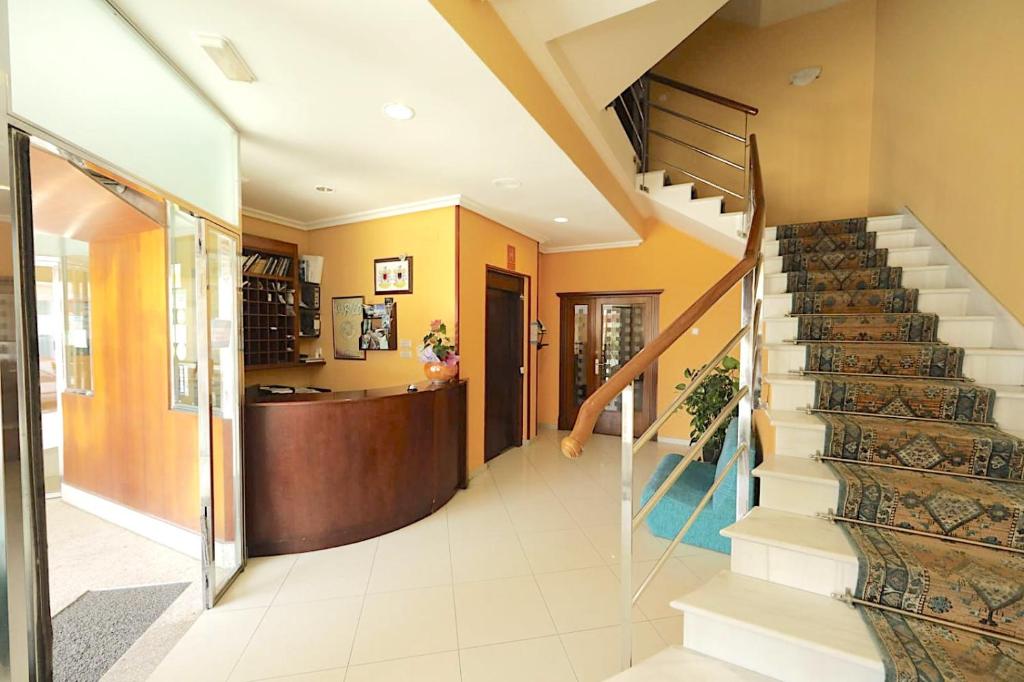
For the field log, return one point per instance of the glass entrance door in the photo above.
(604, 333)
(218, 347)
(206, 376)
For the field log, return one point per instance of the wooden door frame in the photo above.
(525, 357)
(565, 406)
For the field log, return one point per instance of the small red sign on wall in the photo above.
(511, 250)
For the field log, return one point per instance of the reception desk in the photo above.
(329, 469)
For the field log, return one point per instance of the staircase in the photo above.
(899, 425)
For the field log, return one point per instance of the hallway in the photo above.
(515, 579)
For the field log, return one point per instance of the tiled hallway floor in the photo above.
(515, 579)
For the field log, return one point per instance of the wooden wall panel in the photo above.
(124, 443)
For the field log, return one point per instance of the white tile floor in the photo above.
(515, 579)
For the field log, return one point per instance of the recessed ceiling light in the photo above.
(399, 112)
(560, 219)
(326, 189)
(506, 183)
(226, 57)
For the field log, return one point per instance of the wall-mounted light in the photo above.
(805, 76)
(226, 57)
(560, 219)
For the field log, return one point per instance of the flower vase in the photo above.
(439, 372)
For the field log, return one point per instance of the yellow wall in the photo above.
(349, 251)
(667, 259)
(814, 140)
(482, 243)
(946, 140)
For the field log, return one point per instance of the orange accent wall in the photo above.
(483, 243)
(667, 259)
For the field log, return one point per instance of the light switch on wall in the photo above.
(405, 354)
(405, 343)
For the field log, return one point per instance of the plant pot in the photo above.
(439, 372)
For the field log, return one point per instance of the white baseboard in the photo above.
(674, 441)
(150, 527)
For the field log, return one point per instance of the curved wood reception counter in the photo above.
(329, 469)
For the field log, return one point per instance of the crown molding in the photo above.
(467, 203)
(385, 212)
(592, 247)
(273, 217)
(390, 211)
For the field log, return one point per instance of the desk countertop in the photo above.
(351, 396)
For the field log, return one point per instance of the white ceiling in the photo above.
(325, 68)
(759, 13)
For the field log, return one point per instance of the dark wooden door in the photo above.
(503, 372)
(599, 333)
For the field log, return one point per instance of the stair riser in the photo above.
(777, 656)
(796, 441)
(982, 367)
(932, 278)
(880, 224)
(896, 239)
(915, 256)
(796, 395)
(797, 496)
(976, 333)
(793, 568)
(951, 302)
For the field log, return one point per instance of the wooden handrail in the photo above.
(704, 94)
(590, 410)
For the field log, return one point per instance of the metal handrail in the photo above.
(695, 148)
(695, 449)
(703, 94)
(700, 179)
(653, 573)
(696, 381)
(697, 121)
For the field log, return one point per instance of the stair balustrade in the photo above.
(747, 274)
(634, 108)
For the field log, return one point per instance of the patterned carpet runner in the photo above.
(931, 491)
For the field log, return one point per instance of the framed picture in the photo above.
(379, 329)
(392, 275)
(347, 321)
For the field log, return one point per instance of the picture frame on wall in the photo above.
(380, 326)
(347, 322)
(392, 275)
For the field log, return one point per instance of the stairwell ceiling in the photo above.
(761, 13)
(314, 116)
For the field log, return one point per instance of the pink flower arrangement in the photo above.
(437, 346)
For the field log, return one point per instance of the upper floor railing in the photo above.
(658, 146)
(747, 274)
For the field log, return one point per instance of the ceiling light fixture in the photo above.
(399, 112)
(226, 57)
(506, 183)
(560, 219)
(326, 189)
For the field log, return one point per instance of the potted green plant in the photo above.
(707, 401)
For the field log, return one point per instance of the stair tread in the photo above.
(813, 620)
(970, 350)
(806, 534)
(906, 269)
(676, 663)
(796, 468)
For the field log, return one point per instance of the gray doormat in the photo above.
(95, 630)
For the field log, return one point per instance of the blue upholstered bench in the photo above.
(668, 517)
